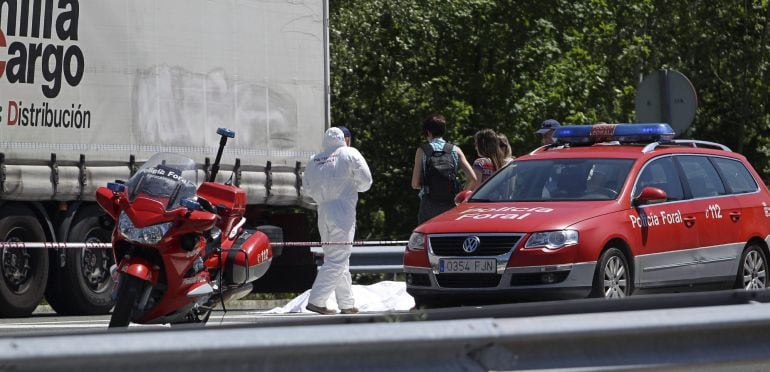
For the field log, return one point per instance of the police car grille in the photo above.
(468, 280)
(491, 245)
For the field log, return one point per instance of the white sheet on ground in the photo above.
(382, 296)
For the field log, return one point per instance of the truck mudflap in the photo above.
(248, 259)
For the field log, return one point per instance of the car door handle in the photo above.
(689, 221)
(735, 216)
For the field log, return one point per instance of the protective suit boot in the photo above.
(320, 309)
(352, 310)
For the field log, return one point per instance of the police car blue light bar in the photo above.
(624, 133)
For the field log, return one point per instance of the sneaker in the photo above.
(352, 310)
(319, 309)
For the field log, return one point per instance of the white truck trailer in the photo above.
(90, 89)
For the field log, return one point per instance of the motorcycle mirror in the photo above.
(116, 187)
(191, 204)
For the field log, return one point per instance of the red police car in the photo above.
(606, 210)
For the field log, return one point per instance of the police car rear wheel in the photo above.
(752, 273)
(612, 277)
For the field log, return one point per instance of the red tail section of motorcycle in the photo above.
(247, 259)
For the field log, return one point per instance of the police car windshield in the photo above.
(165, 177)
(556, 180)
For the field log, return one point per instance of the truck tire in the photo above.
(23, 271)
(84, 283)
(275, 234)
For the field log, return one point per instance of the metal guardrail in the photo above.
(374, 259)
(365, 258)
(727, 336)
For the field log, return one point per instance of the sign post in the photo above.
(666, 96)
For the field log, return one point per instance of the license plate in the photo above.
(467, 265)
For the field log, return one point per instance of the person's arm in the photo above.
(417, 170)
(466, 168)
(477, 168)
(361, 174)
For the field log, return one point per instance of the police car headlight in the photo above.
(145, 235)
(552, 239)
(416, 242)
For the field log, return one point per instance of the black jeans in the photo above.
(431, 208)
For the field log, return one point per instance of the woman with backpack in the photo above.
(435, 170)
(491, 157)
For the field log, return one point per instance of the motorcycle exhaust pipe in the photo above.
(236, 293)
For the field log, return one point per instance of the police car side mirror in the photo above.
(650, 195)
(462, 197)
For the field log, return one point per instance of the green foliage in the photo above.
(508, 65)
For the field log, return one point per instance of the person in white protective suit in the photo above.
(333, 178)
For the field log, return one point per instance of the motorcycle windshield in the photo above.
(165, 177)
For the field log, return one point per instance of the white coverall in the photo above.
(333, 178)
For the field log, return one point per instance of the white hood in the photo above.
(333, 138)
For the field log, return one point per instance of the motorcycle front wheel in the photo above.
(128, 292)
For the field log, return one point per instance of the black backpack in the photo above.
(439, 178)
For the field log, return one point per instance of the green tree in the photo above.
(508, 65)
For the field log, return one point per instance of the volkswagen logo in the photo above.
(471, 244)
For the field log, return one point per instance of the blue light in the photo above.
(116, 187)
(624, 133)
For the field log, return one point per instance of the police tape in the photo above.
(354, 243)
(53, 245)
(94, 245)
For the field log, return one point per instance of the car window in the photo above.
(735, 174)
(701, 176)
(661, 173)
(556, 179)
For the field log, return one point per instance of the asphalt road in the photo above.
(44, 321)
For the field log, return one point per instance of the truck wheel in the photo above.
(23, 271)
(128, 293)
(85, 284)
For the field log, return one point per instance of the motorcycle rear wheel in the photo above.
(128, 292)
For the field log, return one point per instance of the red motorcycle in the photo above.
(180, 249)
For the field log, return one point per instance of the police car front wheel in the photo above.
(612, 278)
